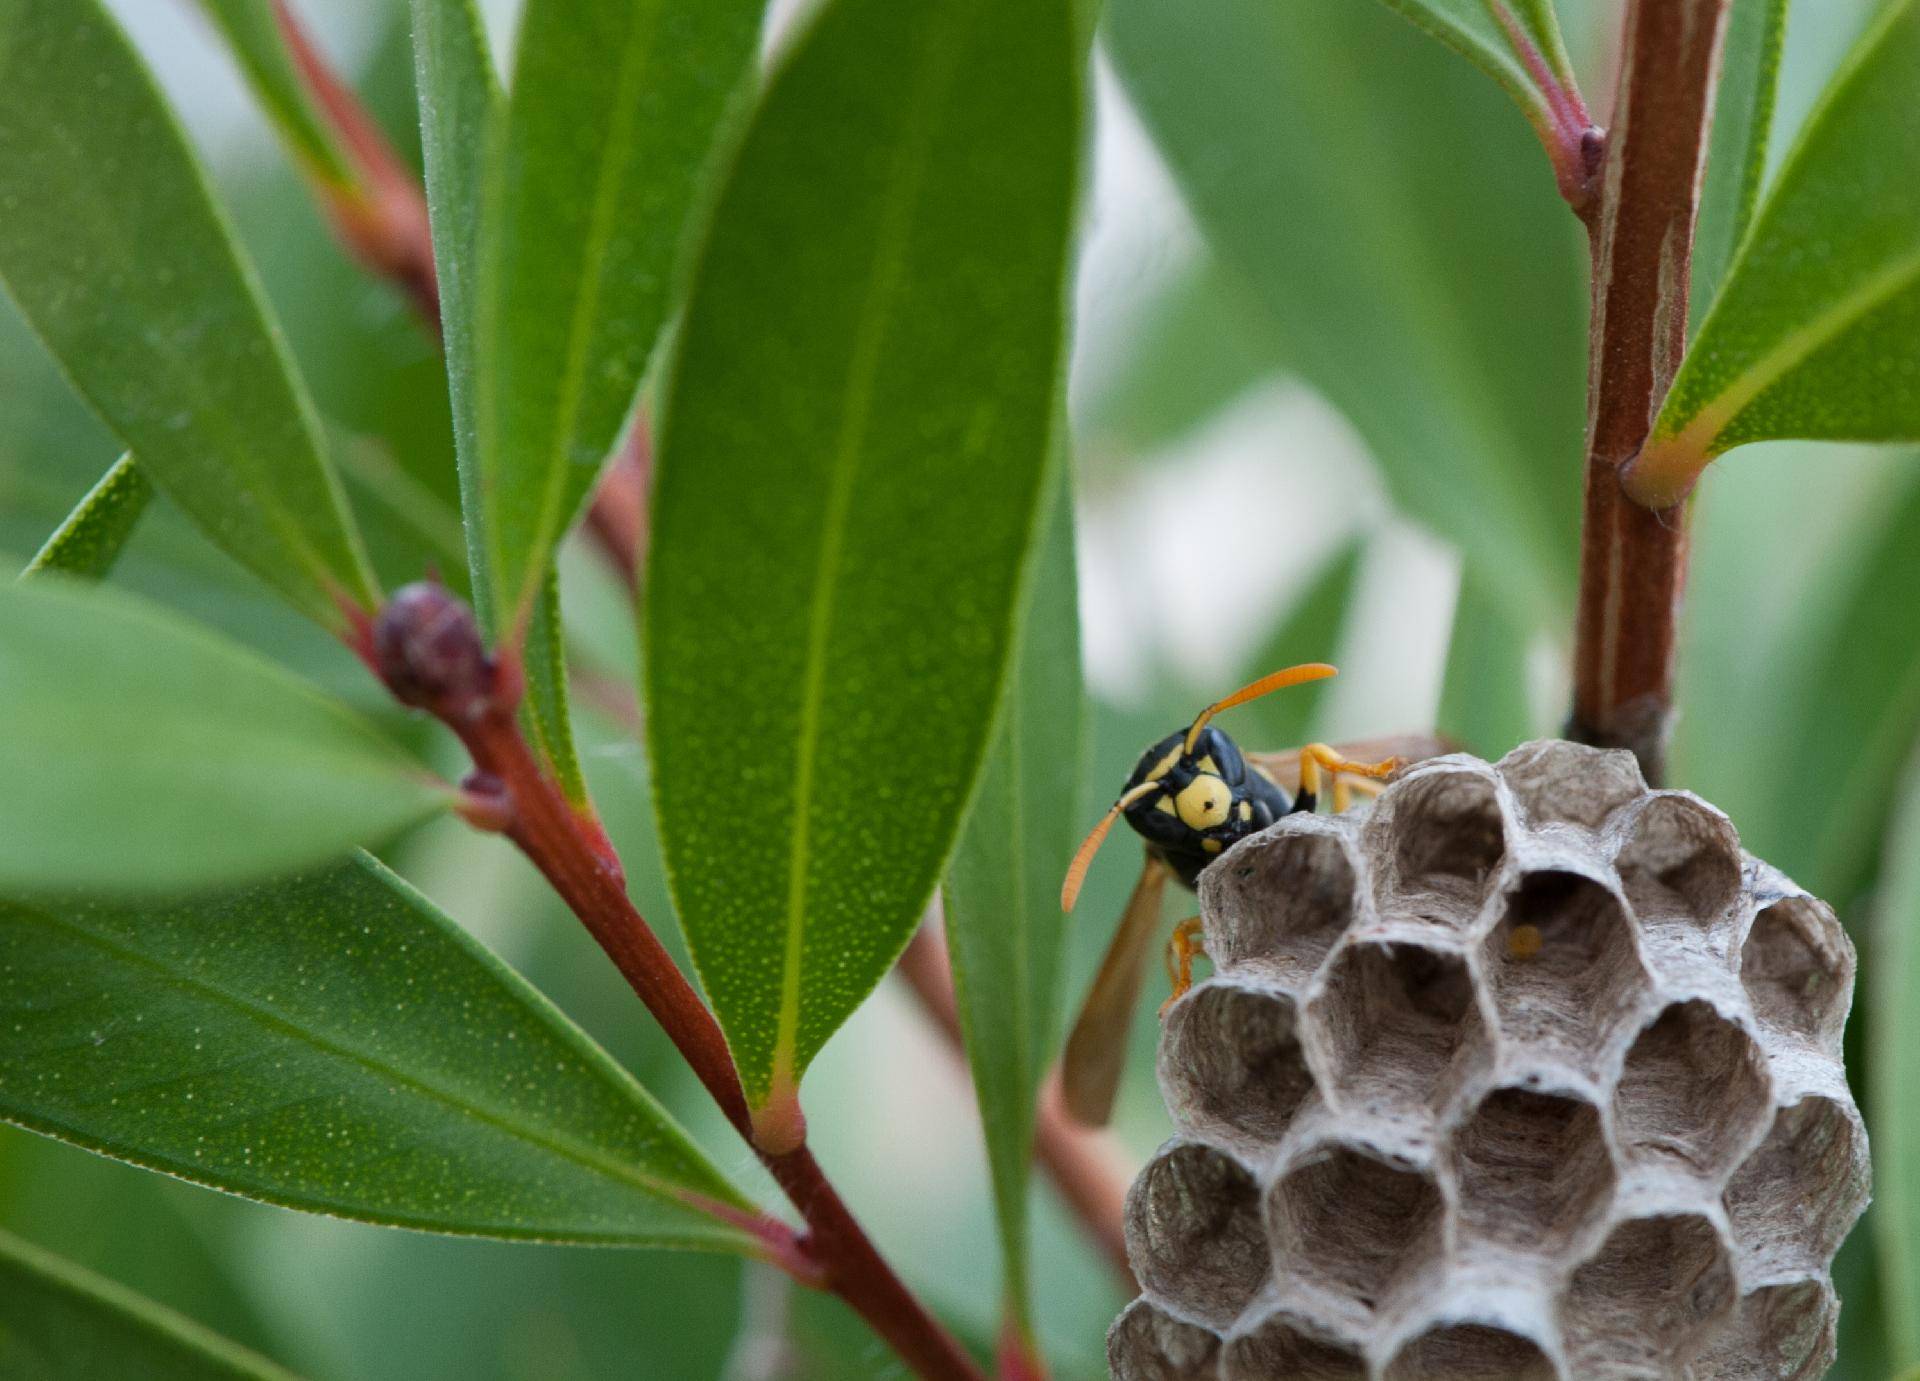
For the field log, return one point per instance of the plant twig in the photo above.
(1088, 1167)
(427, 649)
(383, 223)
(1632, 559)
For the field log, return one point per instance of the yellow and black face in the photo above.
(1207, 800)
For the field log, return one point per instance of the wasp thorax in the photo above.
(1525, 1071)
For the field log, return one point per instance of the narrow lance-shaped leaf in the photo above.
(334, 1043)
(117, 255)
(1895, 1068)
(259, 46)
(1005, 930)
(1518, 44)
(91, 539)
(852, 456)
(615, 111)
(142, 753)
(1737, 151)
(61, 1323)
(1344, 167)
(1816, 333)
(460, 114)
(460, 105)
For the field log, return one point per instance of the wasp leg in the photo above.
(1182, 950)
(1317, 758)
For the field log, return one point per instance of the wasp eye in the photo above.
(1203, 803)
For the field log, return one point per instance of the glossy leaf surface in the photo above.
(1368, 187)
(143, 753)
(852, 454)
(615, 111)
(94, 534)
(114, 250)
(61, 1323)
(333, 1042)
(1005, 930)
(1816, 333)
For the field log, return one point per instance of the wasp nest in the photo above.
(1525, 1072)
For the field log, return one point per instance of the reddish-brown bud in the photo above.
(428, 649)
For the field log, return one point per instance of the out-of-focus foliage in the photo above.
(1373, 220)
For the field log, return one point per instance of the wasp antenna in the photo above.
(1266, 685)
(1083, 856)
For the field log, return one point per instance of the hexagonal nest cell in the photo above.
(1285, 1344)
(1233, 1061)
(1345, 1221)
(1521, 1071)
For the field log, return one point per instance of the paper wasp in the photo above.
(1191, 796)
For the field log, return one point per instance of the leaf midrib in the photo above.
(564, 1147)
(905, 172)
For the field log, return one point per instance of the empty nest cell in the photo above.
(1681, 862)
(1470, 1352)
(1795, 1198)
(1281, 901)
(1284, 1344)
(1194, 1234)
(1349, 1222)
(1779, 1332)
(1397, 1017)
(1562, 963)
(1693, 1092)
(1557, 782)
(1448, 839)
(1532, 1169)
(1797, 966)
(1148, 1344)
(1230, 1061)
(1648, 1297)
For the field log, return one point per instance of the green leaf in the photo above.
(460, 112)
(1816, 333)
(852, 456)
(1895, 1068)
(1345, 168)
(142, 753)
(616, 109)
(1310, 632)
(61, 1323)
(334, 1043)
(460, 106)
(260, 48)
(548, 710)
(93, 535)
(1483, 698)
(1005, 930)
(1518, 44)
(1737, 151)
(114, 250)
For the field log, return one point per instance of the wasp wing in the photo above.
(1096, 1049)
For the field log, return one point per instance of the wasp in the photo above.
(1192, 796)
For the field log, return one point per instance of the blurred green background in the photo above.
(1327, 402)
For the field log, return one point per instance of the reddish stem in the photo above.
(429, 653)
(1088, 1167)
(382, 219)
(1632, 559)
